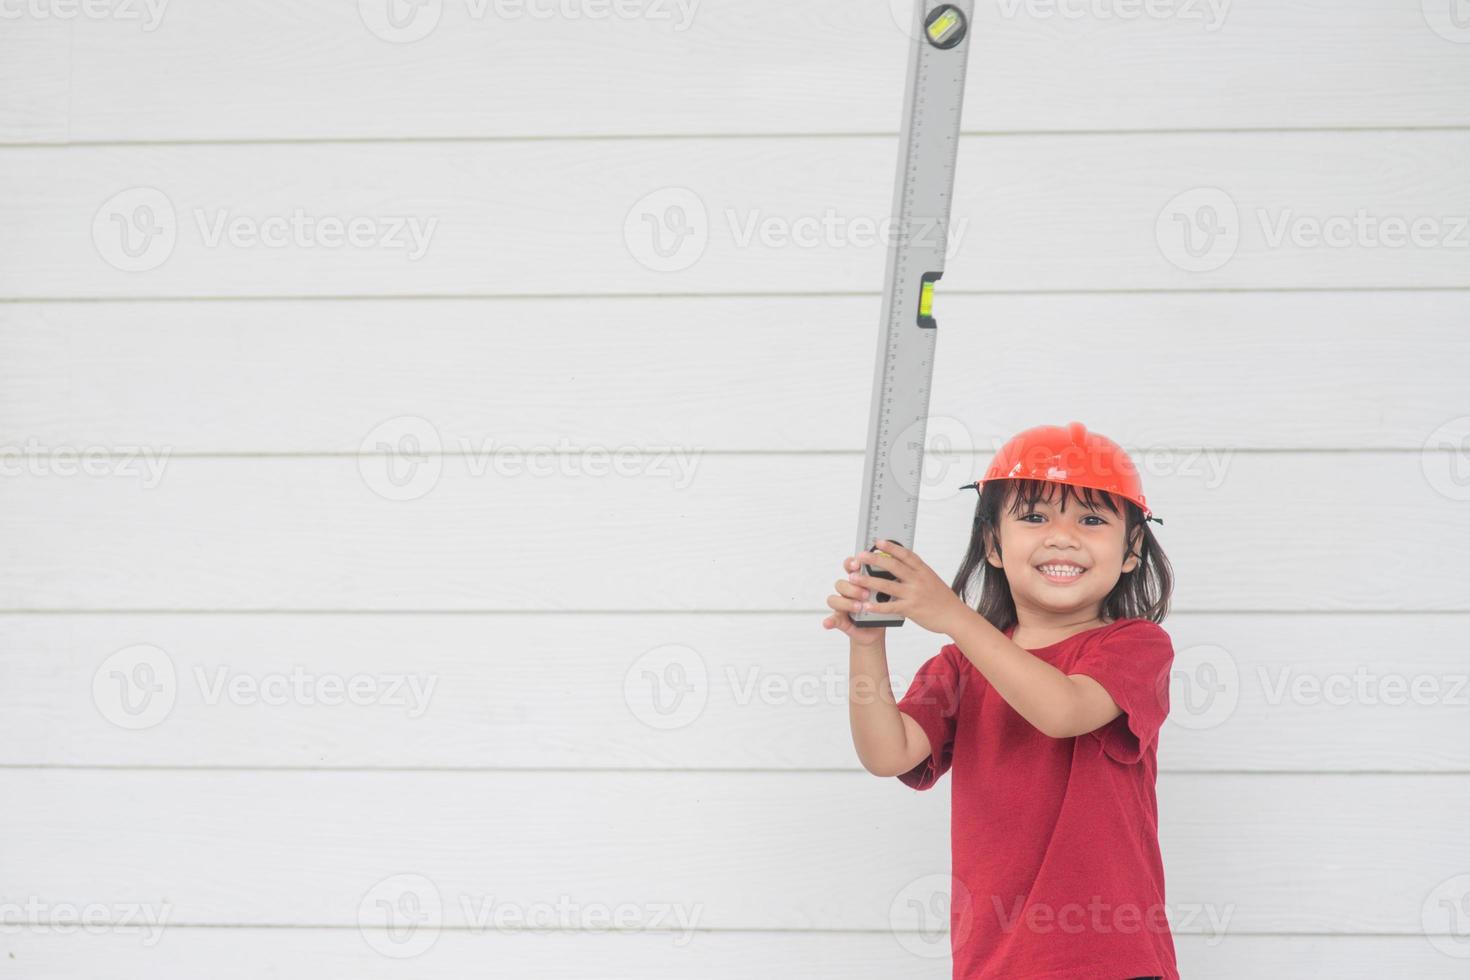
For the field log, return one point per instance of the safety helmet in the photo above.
(1069, 455)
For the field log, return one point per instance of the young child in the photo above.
(1047, 704)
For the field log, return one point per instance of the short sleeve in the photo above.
(1132, 663)
(933, 700)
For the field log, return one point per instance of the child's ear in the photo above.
(1131, 561)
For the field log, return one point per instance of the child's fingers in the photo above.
(896, 550)
(887, 562)
(844, 604)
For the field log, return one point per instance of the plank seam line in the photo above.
(803, 135)
(706, 771)
(716, 295)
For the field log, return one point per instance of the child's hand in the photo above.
(849, 599)
(918, 594)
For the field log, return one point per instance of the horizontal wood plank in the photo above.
(218, 70)
(698, 216)
(711, 691)
(675, 531)
(1224, 370)
(308, 954)
(1347, 854)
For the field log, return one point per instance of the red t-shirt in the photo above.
(1056, 873)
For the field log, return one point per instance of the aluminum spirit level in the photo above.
(933, 98)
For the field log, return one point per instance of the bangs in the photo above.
(1028, 493)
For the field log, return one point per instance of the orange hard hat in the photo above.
(1071, 455)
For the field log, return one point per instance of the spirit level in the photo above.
(933, 99)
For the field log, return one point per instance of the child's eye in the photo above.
(1094, 517)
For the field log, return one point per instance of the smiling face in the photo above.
(1061, 561)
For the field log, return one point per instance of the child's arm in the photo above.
(888, 742)
(1057, 704)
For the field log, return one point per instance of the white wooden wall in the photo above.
(629, 706)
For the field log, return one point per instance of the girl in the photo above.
(1047, 704)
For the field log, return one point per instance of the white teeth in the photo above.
(1067, 570)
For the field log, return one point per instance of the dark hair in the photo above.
(1142, 593)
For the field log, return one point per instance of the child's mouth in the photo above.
(1061, 574)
